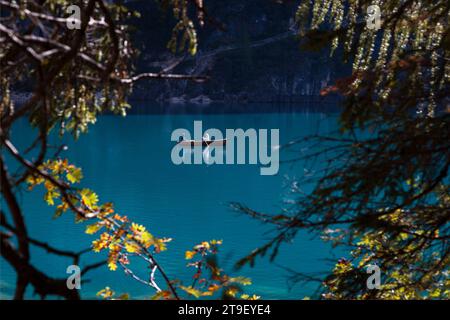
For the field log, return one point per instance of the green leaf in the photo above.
(50, 196)
(241, 280)
(75, 175)
(93, 228)
(88, 197)
(59, 211)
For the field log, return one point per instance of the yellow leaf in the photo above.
(34, 180)
(93, 228)
(403, 236)
(192, 291)
(50, 196)
(123, 296)
(242, 280)
(232, 291)
(137, 228)
(132, 247)
(112, 265)
(106, 293)
(205, 244)
(147, 239)
(75, 175)
(189, 254)
(214, 287)
(88, 197)
(160, 245)
(164, 294)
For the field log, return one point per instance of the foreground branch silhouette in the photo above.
(74, 76)
(381, 184)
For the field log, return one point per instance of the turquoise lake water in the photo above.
(127, 161)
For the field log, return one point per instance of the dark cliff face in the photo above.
(256, 58)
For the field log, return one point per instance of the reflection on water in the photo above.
(127, 161)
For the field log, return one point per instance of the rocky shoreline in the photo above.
(242, 98)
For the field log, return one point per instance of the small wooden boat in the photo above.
(204, 143)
